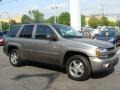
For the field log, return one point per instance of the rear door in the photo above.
(25, 39)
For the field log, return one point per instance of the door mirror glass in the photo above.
(52, 37)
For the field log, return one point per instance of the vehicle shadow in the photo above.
(102, 74)
(45, 66)
(52, 76)
(62, 70)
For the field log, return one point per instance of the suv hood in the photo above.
(97, 43)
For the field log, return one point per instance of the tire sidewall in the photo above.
(87, 68)
(18, 60)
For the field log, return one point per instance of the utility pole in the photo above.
(8, 18)
(102, 10)
(118, 24)
(54, 7)
(0, 24)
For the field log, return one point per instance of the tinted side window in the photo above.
(42, 31)
(13, 31)
(1, 35)
(27, 31)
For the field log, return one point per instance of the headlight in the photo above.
(101, 52)
(97, 52)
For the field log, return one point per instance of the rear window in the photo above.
(1, 35)
(107, 34)
(13, 31)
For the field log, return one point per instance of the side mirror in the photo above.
(52, 37)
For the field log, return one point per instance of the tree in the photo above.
(13, 22)
(50, 20)
(26, 19)
(5, 26)
(103, 21)
(111, 23)
(37, 16)
(34, 16)
(83, 22)
(93, 22)
(64, 18)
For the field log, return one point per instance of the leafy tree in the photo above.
(111, 23)
(50, 20)
(83, 22)
(118, 23)
(5, 26)
(37, 16)
(13, 22)
(64, 18)
(26, 19)
(34, 16)
(93, 22)
(103, 21)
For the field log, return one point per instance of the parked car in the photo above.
(59, 45)
(1, 39)
(85, 34)
(4, 32)
(112, 36)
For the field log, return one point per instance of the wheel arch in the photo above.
(68, 54)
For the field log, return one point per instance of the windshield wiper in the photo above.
(73, 36)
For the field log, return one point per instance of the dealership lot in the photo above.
(35, 76)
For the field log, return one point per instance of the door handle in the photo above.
(18, 42)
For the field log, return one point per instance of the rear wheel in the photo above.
(78, 68)
(14, 57)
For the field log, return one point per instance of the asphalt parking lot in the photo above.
(35, 76)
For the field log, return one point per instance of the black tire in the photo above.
(18, 60)
(85, 63)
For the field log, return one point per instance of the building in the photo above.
(16, 18)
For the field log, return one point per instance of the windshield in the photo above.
(67, 31)
(107, 34)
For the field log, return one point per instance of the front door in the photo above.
(45, 50)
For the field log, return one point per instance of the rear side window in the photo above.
(13, 31)
(27, 31)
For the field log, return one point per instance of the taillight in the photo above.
(2, 41)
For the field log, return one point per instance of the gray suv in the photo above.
(59, 45)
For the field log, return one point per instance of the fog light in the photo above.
(106, 65)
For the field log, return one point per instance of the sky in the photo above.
(88, 7)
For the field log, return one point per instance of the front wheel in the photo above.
(14, 57)
(78, 68)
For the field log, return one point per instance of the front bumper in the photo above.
(103, 64)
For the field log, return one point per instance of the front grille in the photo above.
(111, 52)
(112, 48)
